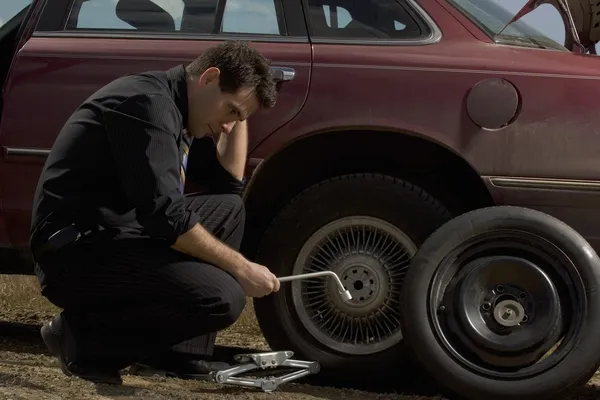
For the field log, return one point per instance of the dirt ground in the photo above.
(27, 371)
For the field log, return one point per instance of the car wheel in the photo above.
(366, 228)
(503, 303)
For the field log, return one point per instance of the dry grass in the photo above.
(23, 292)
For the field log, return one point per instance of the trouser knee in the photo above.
(235, 301)
(228, 303)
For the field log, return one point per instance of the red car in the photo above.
(395, 118)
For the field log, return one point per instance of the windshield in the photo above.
(8, 9)
(492, 18)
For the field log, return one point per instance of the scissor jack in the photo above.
(266, 363)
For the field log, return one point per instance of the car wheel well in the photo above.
(309, 160)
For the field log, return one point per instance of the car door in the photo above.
(80, 45)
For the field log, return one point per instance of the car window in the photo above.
(364, 19)
(250, 16)
(192, 16)
(8, 9)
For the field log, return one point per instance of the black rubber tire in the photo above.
(559, 381)
(400, 203)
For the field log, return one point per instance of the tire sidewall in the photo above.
(396, 202)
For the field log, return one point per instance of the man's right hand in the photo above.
(257, 280)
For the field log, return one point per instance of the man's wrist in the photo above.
(232, 150)
(239, 264)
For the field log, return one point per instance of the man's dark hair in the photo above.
(240, 66)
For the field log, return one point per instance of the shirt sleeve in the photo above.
(142, 132)
(205, 169)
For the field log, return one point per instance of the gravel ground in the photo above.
(27, 371)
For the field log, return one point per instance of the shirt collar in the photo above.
(178, 81)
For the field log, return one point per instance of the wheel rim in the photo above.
(371, 257)
(503, 300)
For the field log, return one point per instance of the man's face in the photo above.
(212, 111)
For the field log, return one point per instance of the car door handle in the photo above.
(283, 74)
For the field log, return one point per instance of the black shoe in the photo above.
(60, 342)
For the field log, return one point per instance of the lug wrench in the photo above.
(346, 296)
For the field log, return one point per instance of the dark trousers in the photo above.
(131, 298)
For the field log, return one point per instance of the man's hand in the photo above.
(257, 280)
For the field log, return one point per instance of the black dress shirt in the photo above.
(116, 162)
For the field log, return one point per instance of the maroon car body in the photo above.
(473, 118)
(545, 159)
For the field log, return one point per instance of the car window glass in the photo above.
(364, 19)
(9, 9)
(250, 16)
(193, 16)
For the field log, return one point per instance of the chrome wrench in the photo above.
(346, 296)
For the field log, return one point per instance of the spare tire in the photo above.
(365, 227)
(504, 303)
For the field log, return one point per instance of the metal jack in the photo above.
(264, 362)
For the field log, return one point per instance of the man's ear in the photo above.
(211, 75)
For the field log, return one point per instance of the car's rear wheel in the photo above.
(503, 303)
(366, 228)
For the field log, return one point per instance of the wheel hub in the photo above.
(366, 279)
(509, 313)
(370, 256)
